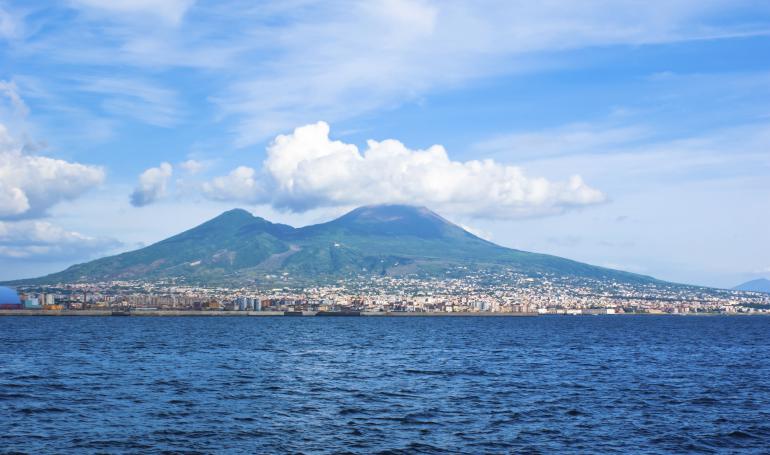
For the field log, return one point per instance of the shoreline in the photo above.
(199, 313)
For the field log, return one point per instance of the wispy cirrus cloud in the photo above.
(10, 24)
(141, 100)
(170, 11)
(726, 153)
(9, 90)
(563, 140)
(351, 59)
(271, 67)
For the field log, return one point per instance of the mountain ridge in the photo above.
(238, 247)
(758, 285)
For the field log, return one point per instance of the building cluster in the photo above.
(492, 291)
(10, 300)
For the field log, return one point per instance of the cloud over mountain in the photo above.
(152, 185)
(306, 169)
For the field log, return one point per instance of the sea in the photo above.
(391, 385)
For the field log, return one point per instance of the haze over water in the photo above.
(646, 384)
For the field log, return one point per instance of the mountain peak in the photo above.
(395, 219)
(236, 213)
(239, 248)
(231, 217)
(224, 224)
(385, 212)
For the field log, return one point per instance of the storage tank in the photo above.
(9, 299)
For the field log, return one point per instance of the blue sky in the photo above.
(627, 134)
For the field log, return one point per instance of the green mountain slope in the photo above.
(239, 248)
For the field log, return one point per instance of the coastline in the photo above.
(198, 313)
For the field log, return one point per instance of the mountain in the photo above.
(759, 285)
(239, 248)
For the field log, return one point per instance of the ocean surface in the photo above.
(590, 384)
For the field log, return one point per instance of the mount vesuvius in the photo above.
(239, 248)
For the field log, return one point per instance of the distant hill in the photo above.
(759, 285)
(239, 248)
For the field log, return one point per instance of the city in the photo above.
(482, 292)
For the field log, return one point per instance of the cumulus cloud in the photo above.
(31, 239)
(30, 184)
(241, 184)
(192, 166)
(13, 201)
(306, 170)
(152, 185)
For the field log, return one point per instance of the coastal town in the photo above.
(507, 292)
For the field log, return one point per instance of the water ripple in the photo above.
(385, 385)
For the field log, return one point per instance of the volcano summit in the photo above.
(238, 248)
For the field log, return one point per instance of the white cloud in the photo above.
(306, 169)
(39, 239)
(13, 201)
(483, 234)
(241, 184)
(281, 64)
(171, 11)
(30, 184)
(737, 153)
(135, 98)
(345, 59)
(192, 166)
(152, 185)
(10, 91)
(10, 26)
(564, 140)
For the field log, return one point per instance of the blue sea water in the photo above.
(622, 384)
